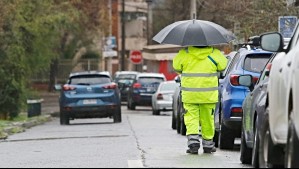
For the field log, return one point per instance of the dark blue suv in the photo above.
(248, 61)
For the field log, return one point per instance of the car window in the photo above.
(126, 81)
(256, 62)
(89, 80)
(233, 63)
(149, 80)
(169, 87)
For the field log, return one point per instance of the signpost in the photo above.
(136, 57)
(286, 25)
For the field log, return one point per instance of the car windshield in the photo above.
(126, 81)
(169, 87)
(89, 80)
(125, 76)
(149, 80)
(256, 63)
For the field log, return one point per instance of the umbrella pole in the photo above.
(193, 9)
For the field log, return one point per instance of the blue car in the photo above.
(89, 95)
(248, 61)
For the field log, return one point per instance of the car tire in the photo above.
(291, 147)
(183, 127)
(256, 143)
(156, 112)
(117, 116)
(173, 122)
(246, 152)
(226, 138)
(216, 138)
(132, 105)
(64, 118)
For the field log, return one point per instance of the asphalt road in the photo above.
(141, 140)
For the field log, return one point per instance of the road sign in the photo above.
(110, 42)
(286, 25)
(136, 57)
(110, 53)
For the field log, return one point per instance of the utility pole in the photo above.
(149, 21)
(123, 34)
(193, 12)
(110, 34)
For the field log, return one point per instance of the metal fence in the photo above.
(67, 66)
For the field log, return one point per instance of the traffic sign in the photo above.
(136, 57)
(286, 25)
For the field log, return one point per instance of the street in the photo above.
(141, 140)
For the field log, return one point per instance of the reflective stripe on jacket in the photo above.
(199, 67)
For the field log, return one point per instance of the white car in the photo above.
(162, 99)
(280, 146)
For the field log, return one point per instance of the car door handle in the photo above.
(290, 64)
(280, 70)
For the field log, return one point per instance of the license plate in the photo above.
(92, 101)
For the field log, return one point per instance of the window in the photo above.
(149, 80)
(256, 62)
(89, 80)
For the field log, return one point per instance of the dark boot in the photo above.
(193, 148)
(208, 146)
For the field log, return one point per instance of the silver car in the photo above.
(163, 98)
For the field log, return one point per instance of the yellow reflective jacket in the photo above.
(199, 69)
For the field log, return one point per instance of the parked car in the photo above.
(178, 110)
(162, 99)
(89, 95)
(250, 60)
(124, 79)
(143, 88)
(254, 108)
(281, 127)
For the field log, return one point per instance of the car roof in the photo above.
(89, 73)
(126, 72)
(151, 75)
(245, 52)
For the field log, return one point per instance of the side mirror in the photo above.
(272, 42)
(58, 87)
(247, 81)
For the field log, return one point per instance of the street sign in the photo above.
(110, 53)
(110, 42)
(286, 25)
(136, 57)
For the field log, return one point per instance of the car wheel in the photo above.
(246, 152)
(132, 105)
(156, 112)
(255, 153)
(216, 138)
(117, 116)
(173, 123)
(183, 127)
(291, 148)
(64, 118)
(264, 146)
(226, 138)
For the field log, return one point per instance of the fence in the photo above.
(67, 66)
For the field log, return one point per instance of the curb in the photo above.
(19, 127)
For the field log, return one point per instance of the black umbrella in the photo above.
(194, 33)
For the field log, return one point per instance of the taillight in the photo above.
(268, 69)
(137, 85)
(111, 86)
(160, 96)
(237, 112)
(68, 88)
(255, 79)
(234, 80)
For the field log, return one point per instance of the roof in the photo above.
(151, 75)
(89, 73)
(160, 52)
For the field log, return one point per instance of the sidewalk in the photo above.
(49, 109)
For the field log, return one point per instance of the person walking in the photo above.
(199, 67)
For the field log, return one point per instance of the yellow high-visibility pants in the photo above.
(200, 115)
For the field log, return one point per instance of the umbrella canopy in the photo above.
(194, 33)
